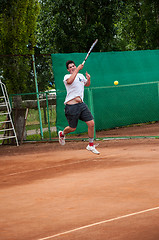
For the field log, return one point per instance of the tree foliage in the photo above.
(72, 26)
(17, 30)
(137, 25)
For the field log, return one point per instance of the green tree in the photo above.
(137, 25)
(71, 26)
(17, 31)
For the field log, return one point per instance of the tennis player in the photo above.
(75, 108)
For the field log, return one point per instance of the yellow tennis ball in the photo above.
(116, 82)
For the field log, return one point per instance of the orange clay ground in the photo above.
(48, 191)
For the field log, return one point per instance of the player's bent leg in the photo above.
(90, 125)
(68, 129)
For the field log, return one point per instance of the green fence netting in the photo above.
(134, 100)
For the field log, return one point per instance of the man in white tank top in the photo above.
(75, 108)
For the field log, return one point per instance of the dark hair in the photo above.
(68, 62)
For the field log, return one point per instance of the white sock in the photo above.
(91, 140)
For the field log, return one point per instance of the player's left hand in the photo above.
(88, 76)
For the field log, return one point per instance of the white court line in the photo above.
(40, 169)
(98, 223)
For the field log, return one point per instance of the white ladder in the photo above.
(7, 130)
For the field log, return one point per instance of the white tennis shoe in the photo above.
(92, 149)
(61, 138)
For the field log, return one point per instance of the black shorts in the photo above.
(73, 112)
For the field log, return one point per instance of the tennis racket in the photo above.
(90, 51)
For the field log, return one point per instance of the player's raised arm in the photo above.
(73, 70)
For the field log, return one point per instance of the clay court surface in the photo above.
(48, 191)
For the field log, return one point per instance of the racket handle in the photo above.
(83, 62)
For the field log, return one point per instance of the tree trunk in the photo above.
(19, 117)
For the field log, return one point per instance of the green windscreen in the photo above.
(134, 100)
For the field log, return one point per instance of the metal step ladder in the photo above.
(7, 130)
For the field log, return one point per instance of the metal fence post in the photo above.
(37, 94)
